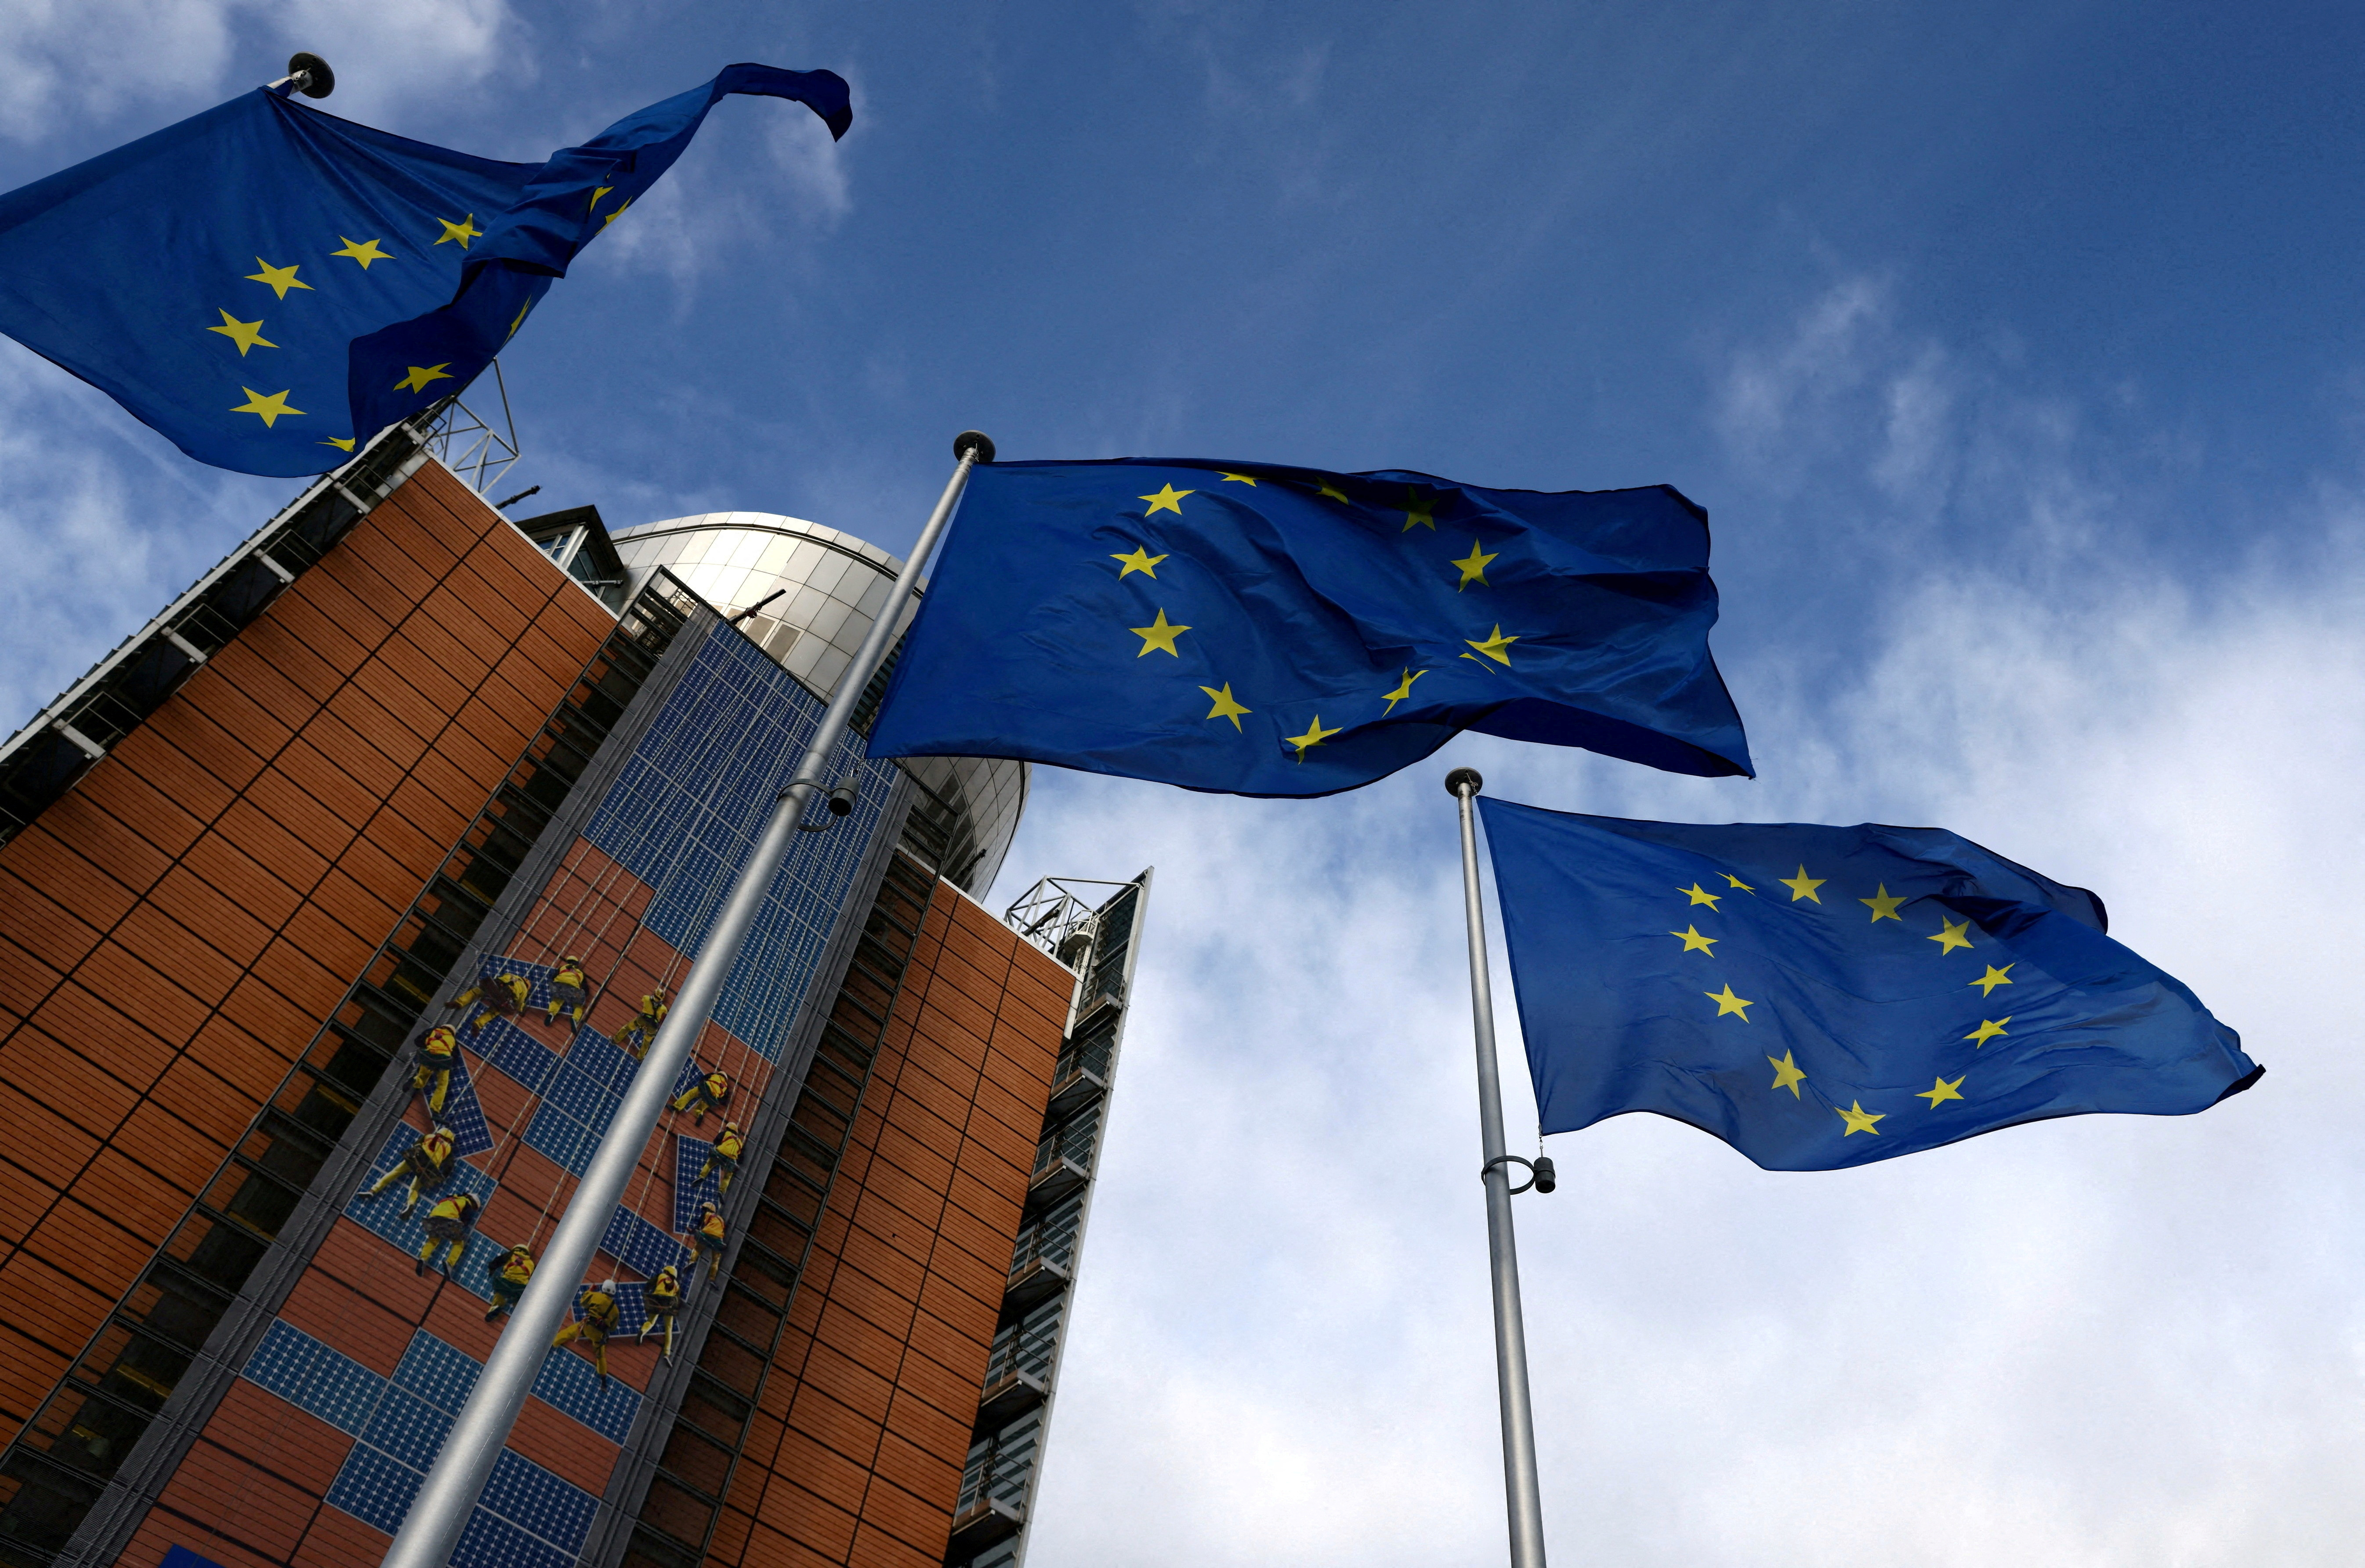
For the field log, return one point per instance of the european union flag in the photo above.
(269, 286)
(1820, 997)
(1264, 631)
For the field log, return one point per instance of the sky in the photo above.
(2014, 351)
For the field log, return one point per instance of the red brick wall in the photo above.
(855, 1456)
(174, 930)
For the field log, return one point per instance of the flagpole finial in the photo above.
(976, 442)
(309, 74)
(1460, 777)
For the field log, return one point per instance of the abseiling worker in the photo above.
(635, 1040)
(438, 1049)
(601, 1316)
(570, 993)
(448, 1224)
(665, 1300)
(707, 1238)
(725, 1154)
(428, 1163)
(509, 1274)
(710, 1092)
(504, 993)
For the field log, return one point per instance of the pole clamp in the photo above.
(1540, 1174)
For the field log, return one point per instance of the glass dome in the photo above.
(831, 587)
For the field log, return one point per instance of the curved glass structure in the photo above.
(830, 588)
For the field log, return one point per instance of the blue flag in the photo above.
(1263, 630)
(1820, 997)
(268, 285)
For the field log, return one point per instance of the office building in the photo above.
(400, 762)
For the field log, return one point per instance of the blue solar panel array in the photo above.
(638, 1245)
(690, 1154)
(383, 1215)
(515, 1052)
(686, 810)
(682, 816)
(529, 1517)
(462, 1113)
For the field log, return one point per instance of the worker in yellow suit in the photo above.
(727, 1149)
(448, 1224)
(428, 1163)
(643, 1027)
(509, 1274)
(707, 1238)
(570, 993)
(710, 1092)
(601, 1316)
(438, 1049)
(665, 1300)
(504, 993)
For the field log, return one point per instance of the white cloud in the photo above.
(100, 524)
(2104, 1342)
(58, 59)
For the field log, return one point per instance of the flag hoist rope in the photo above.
(432, 1527)
(1502, 1248)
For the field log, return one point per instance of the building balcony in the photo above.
(982, 1523)
(1102, 1008)
(1035, 1280)
(1009, 1397)
(1054, 1179)
(1076, 1083)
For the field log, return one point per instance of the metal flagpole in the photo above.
(1502, 1248)
(432, 1527)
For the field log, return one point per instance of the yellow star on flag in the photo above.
(1700, 895)
(1474, 568)
(1336, 494)
(421, 375)
(267, 409)
(1403, 690)
(1739, 883)
(1419, 512)
(1494, 645)
(1992, 978)
(1859, 1120)
(1884, 906)
(1313, 737)
(520, 320)
(617, 214)
(1942, 1090)
(1803, 886)
(1142, 560)
(596, 195)
(281, 279)
(463, 230)
(1694, 941)
(1236, 479)
(342, 443)
(362, 251)
(1787, 1074)
(1987, 1030)
(1728, 1002)
(245, 334)
(1161, 633)
(1950, 935)
(1224, 707)
(1168, 499)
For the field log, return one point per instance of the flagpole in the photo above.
(1519, 1485)
(431, 1529)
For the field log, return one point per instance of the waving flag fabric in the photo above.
(1822, 997)
(1256, 629)
(268, 285)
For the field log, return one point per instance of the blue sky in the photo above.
(2014, 353)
